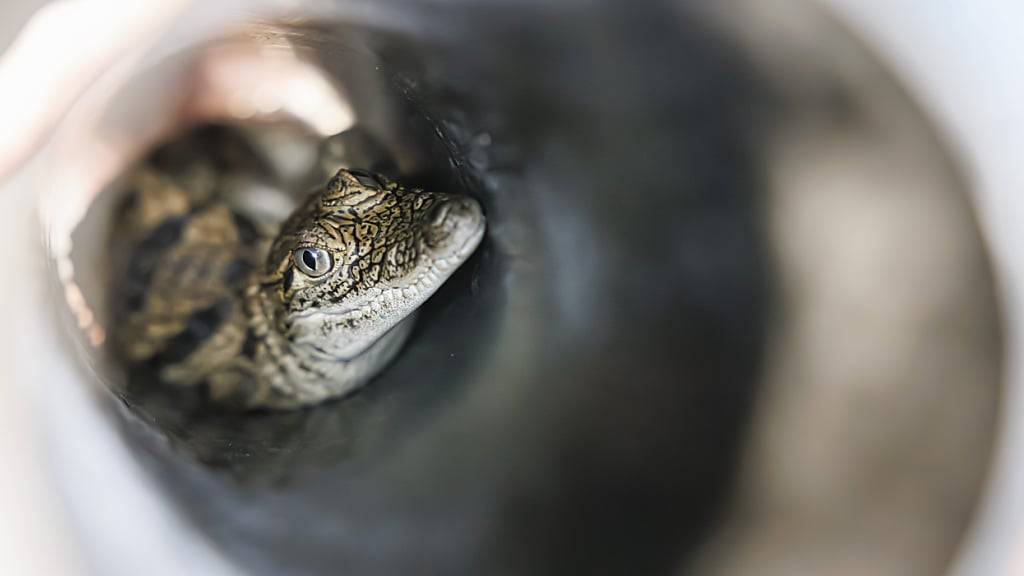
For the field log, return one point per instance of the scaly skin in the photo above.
(328, 308)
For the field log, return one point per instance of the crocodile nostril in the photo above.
(439, 214)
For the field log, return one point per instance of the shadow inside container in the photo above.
(586, 377)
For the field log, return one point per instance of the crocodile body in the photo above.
(288, 317)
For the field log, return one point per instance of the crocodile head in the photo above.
(359, 257)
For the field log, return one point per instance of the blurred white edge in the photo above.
(109, 516)
(963, 62)
(117, 519)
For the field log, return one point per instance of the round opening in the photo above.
(597, 388)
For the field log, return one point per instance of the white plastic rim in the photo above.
(960, 60)
(963, 62)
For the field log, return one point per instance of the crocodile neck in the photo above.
(283, 374)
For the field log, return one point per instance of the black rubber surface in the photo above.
(571, 401)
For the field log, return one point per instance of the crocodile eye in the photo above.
(313, 262)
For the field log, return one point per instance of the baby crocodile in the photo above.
(282, 322)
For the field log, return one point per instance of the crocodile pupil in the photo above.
(309, 260)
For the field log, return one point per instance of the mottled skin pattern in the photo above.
(288, 321)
